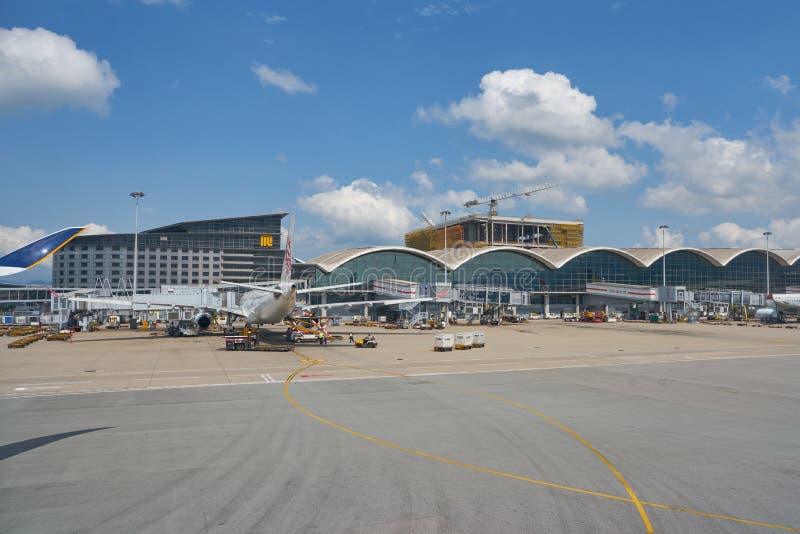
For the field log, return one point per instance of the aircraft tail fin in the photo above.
(286, 273)
(35, 253)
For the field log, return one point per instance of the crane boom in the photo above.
(494, 198)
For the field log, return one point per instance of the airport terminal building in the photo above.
(553, 278)
(562, 270)
(238, 249)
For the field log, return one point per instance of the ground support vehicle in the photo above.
(368, 342)
(239, 342)
(443, 342)
(464, 340)
(478, 340)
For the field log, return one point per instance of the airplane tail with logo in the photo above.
(35, 253)
(286, 273)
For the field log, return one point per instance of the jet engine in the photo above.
(768, 315)
(202, 320)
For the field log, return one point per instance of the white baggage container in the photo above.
(443, 342)
(478, 339)
(464, 340)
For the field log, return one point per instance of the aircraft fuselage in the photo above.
(260, 307)
(784, 302)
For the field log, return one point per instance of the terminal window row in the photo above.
(205, 264)
(73, 248)
(152, 255)
(141, 283)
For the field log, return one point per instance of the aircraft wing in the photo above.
(252, 286)
(35, 253)
(327, 288)
(386, 302)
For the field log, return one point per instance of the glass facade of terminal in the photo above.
(500, 268)
(594, 266)
(521, 272)
(240, 249)
(380, 265)
(745, 272)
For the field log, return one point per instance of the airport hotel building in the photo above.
(238, 249)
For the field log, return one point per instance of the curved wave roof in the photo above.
(332, 260)
(554, 258)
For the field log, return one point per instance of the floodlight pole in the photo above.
(663, 229)
(136, 195)
(767, 234)
(445, 213)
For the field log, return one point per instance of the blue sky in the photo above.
(358, 116)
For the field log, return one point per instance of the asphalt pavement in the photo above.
(693, 446)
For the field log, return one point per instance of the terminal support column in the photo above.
(577, 303)
(546, 304)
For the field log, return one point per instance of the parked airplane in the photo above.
(35, 253)
(779, 304)
(784, 302)
(259, 305)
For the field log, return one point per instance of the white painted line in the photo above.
(157, 377)
(134, 389)
(268, 378)
(190, 386)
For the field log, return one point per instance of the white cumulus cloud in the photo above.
(588, 167)
(705, 172)
(544, 117)
(782, 84)
(274, 19)
(422, 179)
(323, 182)
(785, 234)
(40, 69)
(669, 101)
(730, 234)
(95, 229)
(284, 80)
(361, 213)
(529, 111)
(565, 198)
(451, 200)
(652, 238)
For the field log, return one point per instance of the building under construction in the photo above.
(482, 230)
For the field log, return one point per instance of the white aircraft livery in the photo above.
(784, 301)
(35, 253)
(270, 305)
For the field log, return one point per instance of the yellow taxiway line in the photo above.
(633, 499)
